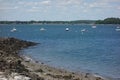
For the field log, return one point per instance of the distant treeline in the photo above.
(49, 22)
(105, 21)
(109, 21)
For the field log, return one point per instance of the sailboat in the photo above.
(13, 30)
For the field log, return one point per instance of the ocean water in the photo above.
(96, 50)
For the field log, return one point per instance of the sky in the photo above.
(58, 10)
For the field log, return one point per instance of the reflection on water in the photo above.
(94, 49)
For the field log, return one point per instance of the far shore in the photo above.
(62, 24)
(25, 68)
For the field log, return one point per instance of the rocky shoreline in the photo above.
(10, 60)
(15, 67)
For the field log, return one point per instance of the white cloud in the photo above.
(99, 5)
(103, 4)
(108, 1)
(51, 3)
(68, 2)
(34, 9)
(37, 9)
(60, 5)
(35, 6)
(7, 8)
(47, 2)
(35, 3)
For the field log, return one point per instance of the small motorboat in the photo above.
(42, 29)
(83, 30)
(118, 29)
(13, 30)
(67, 29)
(94, 26)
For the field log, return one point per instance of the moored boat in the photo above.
(13, 30)
(67, 29)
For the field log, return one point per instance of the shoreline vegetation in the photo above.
(14, 66)
(111, 20)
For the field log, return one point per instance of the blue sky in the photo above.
(59, 10)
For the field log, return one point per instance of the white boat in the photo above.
(83, 30)
(13, 30)
(42, 29)
(94, 26)
(67, 29)
(118, 26)
(118, 29)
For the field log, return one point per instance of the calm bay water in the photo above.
(95, 50)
